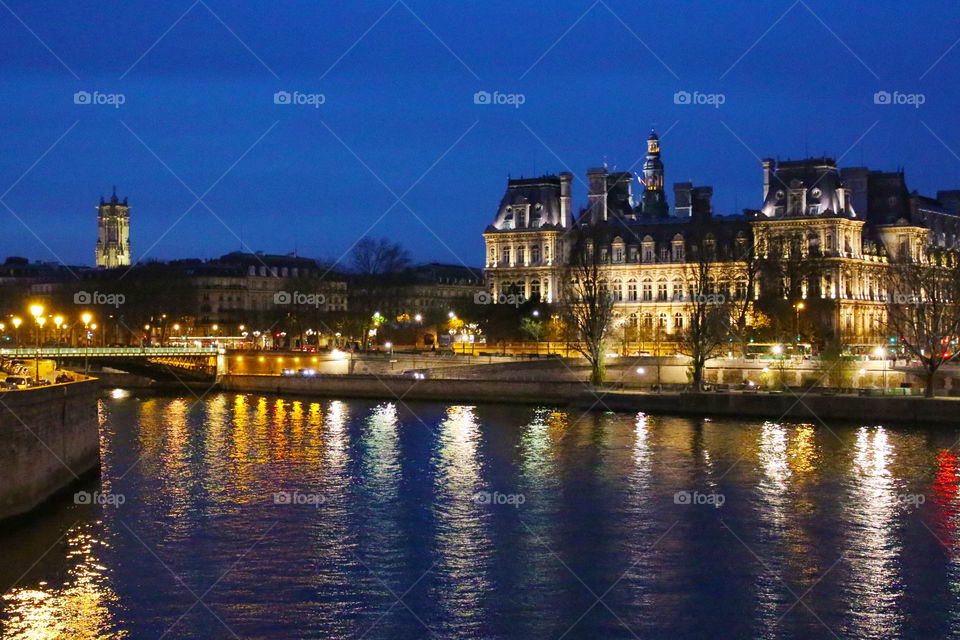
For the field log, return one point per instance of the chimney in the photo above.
(681, 198)
(597, 198)
(565, 179)
(768, 167)
(701, 205)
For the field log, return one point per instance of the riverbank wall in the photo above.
(49, 439)
(798, 406)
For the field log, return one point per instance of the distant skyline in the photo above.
(403, 146)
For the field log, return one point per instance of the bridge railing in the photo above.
(143, 352)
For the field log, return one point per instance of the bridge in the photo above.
(189, 362)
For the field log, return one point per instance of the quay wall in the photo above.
(811, 407)
(49, 438)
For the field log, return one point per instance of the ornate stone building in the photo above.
(113, 239)
(821, 236)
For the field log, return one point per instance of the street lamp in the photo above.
(86, 334)
(59, 322)
(16, 325)
(37, 312)
(798, 307)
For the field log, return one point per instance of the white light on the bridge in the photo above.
(119, 393)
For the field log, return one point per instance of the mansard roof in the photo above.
(723, 229)
(818, 179)
(541, 194)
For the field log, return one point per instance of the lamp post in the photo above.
(59, 322)
(798, 307)
(882, 353)
(16, 326)
(86, 334)
(37, 312)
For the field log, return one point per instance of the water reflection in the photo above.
(198, 477)
(82, 606)
(874, 587)
(463, 545)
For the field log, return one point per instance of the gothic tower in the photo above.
(654, 200)
(113, 225)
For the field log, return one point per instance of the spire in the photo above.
(114, 197)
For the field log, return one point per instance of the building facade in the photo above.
(820, 240)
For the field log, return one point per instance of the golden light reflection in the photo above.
(539, 439)
(80, 609)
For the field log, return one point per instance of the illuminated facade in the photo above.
(822, 234)
(113, 227)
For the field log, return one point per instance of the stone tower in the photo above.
(653, 199)
(113, 240)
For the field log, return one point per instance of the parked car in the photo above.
(19, 382)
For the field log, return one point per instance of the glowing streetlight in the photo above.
(777, 349)
(58, 321)
(418, 318)
(16, 326)
(799, 307)
(37, 312)
(86, 332)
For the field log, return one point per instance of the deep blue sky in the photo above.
(400, 98)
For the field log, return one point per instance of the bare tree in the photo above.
(379, 256)
(588, 305)
(708, 329)
(923, 310)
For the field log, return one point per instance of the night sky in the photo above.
(399, 119)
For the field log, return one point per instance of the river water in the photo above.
(259, 517)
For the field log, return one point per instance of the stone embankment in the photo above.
(49, 439)
(799, 406)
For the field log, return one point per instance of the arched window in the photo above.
(678, 290)
(632, 290)
(534, 289)
(617, 291)
(662, 290)
(678, 321)
(647, 290)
